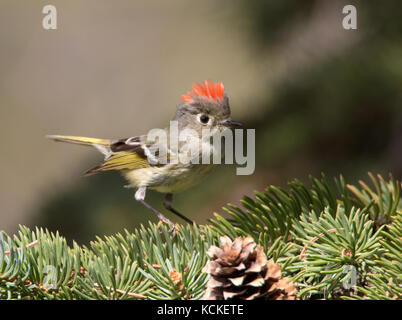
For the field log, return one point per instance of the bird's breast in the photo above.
(170, 178)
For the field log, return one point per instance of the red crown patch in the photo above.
(207, 89)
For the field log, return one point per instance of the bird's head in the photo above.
(205, 107)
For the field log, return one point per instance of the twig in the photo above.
(29, 245)
(131, 294)
(314, 239)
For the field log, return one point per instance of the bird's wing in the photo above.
(123, 154)
(127, 154)
(123, 160)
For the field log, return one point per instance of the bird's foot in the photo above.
(173, 227)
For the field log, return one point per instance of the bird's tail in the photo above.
(102, 145)
(80, 140)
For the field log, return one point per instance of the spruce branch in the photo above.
(383, 201)
(332, 240)
(335, 250)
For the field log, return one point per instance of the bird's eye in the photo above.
(204, 119)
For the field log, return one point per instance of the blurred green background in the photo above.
(322, 99)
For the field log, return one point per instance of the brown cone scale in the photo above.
(239, 270)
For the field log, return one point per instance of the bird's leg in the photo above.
(167, 203)
(140, 196)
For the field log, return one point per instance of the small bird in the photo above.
(204, 109)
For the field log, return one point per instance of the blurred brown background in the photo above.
(320, 97)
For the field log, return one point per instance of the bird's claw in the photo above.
(173, 227)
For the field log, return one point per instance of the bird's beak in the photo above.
(231, 123)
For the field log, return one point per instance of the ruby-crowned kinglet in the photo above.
(149, 163)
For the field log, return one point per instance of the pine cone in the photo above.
(240, 270)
